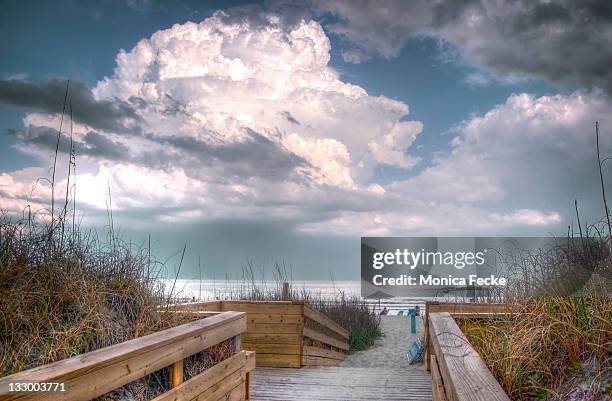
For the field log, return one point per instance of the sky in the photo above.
(283, 131)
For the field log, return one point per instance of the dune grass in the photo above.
(554, 348)
(558, 343)
(66, 292)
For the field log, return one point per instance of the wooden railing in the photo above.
(330, 345)
(284, 333)
(96, 373)
(457, 371)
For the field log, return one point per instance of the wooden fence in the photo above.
(284, 333)
(457, 371)
(96, 373)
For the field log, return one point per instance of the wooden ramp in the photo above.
(341, 383)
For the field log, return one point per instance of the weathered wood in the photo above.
(257, 302)
(340, 384)
(274, 328)
(212, 381)
(237, 343)
(279, 360)
(269, 338)
(315, 335)
(462, 310)
(251, 359)
(95, 373)
(318, 361)
(325, 321)
(247, 390)
(483, 315)
(277, 327)
(464, 374)
(437, 385)
(276, 307)
(238, 393)
(291, 349)
(176, 373)
(222, 388)
(200, 314)
(466, 307)
(209, 306)
(267, 318)
(324, 353)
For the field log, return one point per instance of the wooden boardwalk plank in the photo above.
(340, 383)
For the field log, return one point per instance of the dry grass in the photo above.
(64, 293)
(157, 383)
(558, 345)
(552, 349)
(62, 297)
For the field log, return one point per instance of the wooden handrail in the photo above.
(318, 336)
(277, 331)
(215, 382)
(95, 373)
(201, 306)
(325, 321)
(464, 375)
(461, 310)
(465, 307)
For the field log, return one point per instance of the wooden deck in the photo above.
(340, 383)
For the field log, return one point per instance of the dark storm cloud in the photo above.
(565, 42)
(100, 146)
(93, 144)
(256, 156)
(225, 245)
(108, 115)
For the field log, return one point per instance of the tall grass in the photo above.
(554, 348)
(66, 293)
(558, 343)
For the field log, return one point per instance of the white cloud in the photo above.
(528, 153)
(390, 149)
(248, 120)
(216, 79)
(529, 217)
(329, 156)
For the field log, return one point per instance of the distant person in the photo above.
(385, 311)
(417, 310)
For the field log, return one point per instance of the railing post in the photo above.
(237, 344)
(427, 341)
(247, 390)
(176, 373)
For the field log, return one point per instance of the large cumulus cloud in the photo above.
(249, 110)
(241, 119)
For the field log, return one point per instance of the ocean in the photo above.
(204, 290)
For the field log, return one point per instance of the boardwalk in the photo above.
(380, 373)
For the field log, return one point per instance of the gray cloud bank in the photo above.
(565, 42)
(109, 114)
